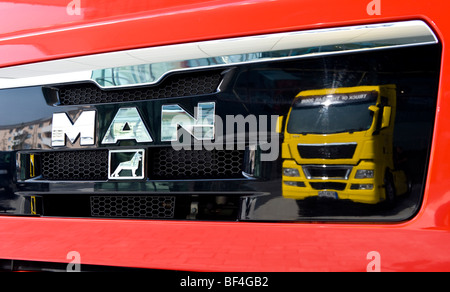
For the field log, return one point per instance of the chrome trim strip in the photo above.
(328, 144)
(308, 175)
(149, 65)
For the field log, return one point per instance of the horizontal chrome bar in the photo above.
(149, 65)
(308, 168)
(328, 144)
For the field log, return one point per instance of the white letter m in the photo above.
(84, 127)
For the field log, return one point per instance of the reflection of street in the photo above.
(347, 210)
(274, 207)
(6, 201)
(7, 167)
(32, 135)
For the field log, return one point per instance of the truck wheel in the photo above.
(389, 188)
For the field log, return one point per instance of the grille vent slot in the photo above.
(328, 186)
(157, 207)
(338, 151)
(321, 172)
(168, 163)
(177, 85)
(75, 165)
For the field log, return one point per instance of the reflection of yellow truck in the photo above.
(338, 143)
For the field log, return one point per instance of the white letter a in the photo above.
(374, 7)
(74, 7)
(375, 262)
(127, 125)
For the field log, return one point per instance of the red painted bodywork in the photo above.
(42, 30)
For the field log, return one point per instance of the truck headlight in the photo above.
(361, 187)
(295, 183)
(364, 173)
(291, 172)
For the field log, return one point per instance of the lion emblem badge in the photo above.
(126, 164)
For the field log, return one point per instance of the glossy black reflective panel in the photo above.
(232, 182)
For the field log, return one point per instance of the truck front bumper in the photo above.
(360, 190)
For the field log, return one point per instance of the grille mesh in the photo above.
(344, 151)
(328, 186)
(75, 165)
(184, 164)
(133, 206)
(173, 86)
(331, 172)
(165, 163)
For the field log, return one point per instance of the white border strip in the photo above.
(224, 52)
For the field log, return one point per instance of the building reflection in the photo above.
(33, 135)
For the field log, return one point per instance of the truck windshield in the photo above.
(331, 117)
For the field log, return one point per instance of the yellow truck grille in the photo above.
(328, 151)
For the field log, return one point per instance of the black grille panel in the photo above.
(180, 85)
(168, 163)
(161, 207)
(75, 165)
(328, 186)
(344, 151)
(164, 163)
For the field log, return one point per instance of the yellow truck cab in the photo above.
(338, 143)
